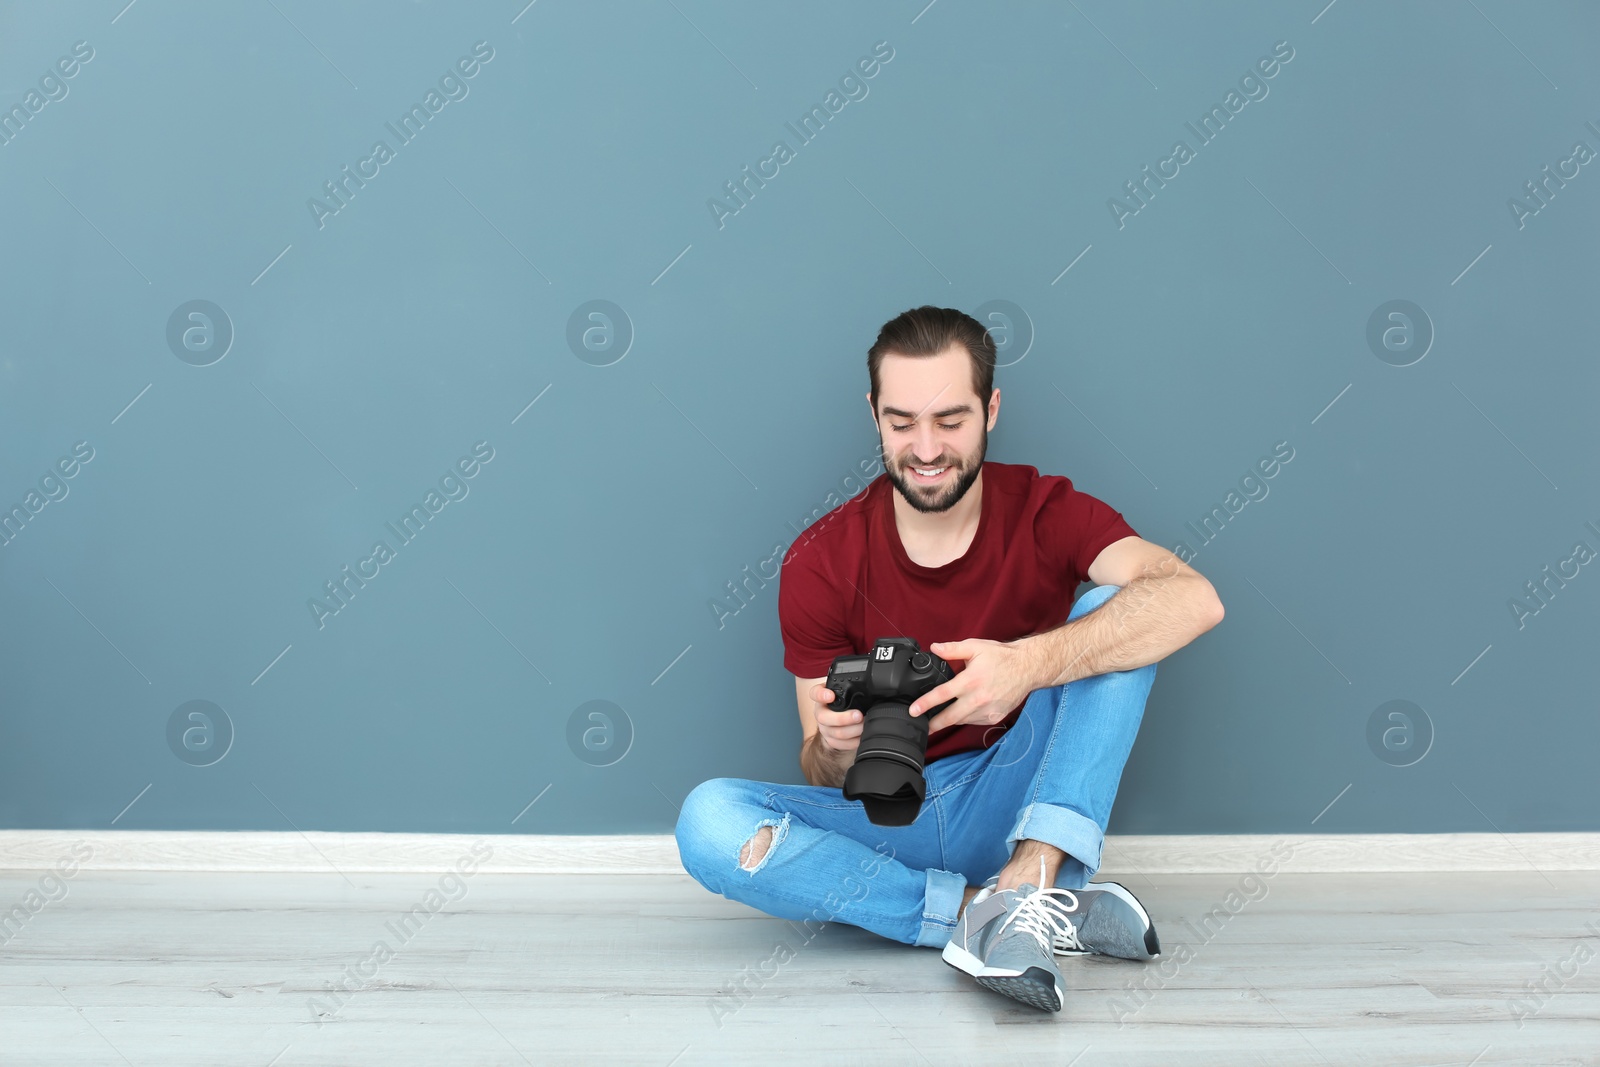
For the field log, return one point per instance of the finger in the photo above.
(961, 713)
(841, 737)
(956, 650)
(821, 695)
(938, 695)
(837, 718)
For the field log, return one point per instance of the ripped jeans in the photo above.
(1051, 778)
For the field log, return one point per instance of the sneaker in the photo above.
(1107, 920)
(1004, 938)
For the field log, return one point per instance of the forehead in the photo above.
(914, 382)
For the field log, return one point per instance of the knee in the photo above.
(1092, 599)
(715, 826)
(753, 853)
(702, 813)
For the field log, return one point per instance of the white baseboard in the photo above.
(323, 852)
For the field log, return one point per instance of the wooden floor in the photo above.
(240, 969)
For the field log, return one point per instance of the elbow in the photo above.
(808, 765)
(1212, 611)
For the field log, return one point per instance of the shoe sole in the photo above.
(1035, 987)
(961, 959)
(1152, 944)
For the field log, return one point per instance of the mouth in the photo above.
(928, 475)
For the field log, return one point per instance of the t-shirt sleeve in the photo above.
(811, 613)
(1078, 527)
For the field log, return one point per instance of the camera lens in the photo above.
(887, 773)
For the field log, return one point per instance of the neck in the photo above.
(935, 527)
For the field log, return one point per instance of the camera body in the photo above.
(887, 773)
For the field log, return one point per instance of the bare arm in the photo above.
(831, 737)
(1162, 605)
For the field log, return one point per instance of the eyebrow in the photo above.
(960, 409)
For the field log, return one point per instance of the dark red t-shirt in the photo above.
(847, 581)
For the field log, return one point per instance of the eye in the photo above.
(898, 429)
(950, 426)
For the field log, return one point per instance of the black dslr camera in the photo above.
(887, 773)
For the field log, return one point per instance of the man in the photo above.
(978, 562)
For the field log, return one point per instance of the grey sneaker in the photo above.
(1106, 919)
(1004, 941)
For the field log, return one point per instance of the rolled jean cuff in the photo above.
(1077, 835)
(944, 893)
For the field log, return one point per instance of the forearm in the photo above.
(822, 765)
(1146, 620)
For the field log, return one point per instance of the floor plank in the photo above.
(187, 968)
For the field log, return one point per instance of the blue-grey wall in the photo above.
(352, 351)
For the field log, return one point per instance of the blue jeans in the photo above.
(1051, 778)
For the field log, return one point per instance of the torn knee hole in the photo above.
(753, 856)
(755, 849)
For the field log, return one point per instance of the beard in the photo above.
(931, 499)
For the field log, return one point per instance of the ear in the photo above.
(871, 409)
(994, 408)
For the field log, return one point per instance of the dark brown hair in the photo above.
(928, 331)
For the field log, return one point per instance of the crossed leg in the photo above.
(806, 853)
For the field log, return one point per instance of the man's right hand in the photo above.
(840, 730)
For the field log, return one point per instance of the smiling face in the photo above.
(930, 420)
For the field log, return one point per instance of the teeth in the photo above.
(929, 473)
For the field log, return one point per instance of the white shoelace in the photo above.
(1042, 914)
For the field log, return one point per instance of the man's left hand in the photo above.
(997, 677)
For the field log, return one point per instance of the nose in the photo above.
(926, 448)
